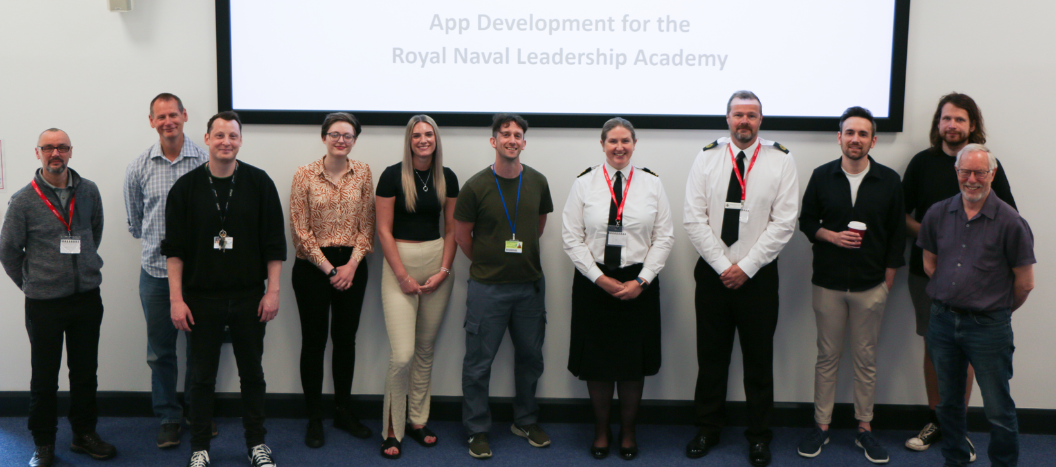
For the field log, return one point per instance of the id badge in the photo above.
(730, 205)
(229, 243)
(514, 246)
(744, 216)
(616, 236)
(70, 245)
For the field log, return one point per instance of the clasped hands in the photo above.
(411, 287)
(622, 290)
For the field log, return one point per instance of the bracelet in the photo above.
(407, 279)
(448, 271)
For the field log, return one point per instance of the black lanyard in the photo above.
(230, 194)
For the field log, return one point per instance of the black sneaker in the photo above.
(346, 421)
(313, 436)
(260, 456)
(928, 435)
(169, 435)
(90, 443)
(873, 450)
(199, 459)
(810, 445)
(479, 446)
(533, 433)
(44, 456)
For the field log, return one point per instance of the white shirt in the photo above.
(856, 181)
(772, 200)
(646, 220)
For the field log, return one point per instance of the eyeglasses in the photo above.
(339, 136)
(964, 173)
(62, 148)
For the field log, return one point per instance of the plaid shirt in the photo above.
(147, 183)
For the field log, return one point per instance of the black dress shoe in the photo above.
(759, 454)
(90, 443)
(701, 444)
(344, 420)
(44, 456)
(629, 453)
(313, 436)
(601, 453)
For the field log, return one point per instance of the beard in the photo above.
(954, 138)
(848, 154)
(974, 198)
(744, 134)
(56, 170)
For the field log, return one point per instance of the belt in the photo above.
(963, 311)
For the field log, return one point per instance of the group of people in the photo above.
(971, 267)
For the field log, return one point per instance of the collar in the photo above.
(747, 152)
(319, 167)
(71, 182)
(612, 170)
(989, 208)
(185, 151)
(837, 168)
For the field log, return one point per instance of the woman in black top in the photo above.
(411, 198)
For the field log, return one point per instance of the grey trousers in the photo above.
(490, 310)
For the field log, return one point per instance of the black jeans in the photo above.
(751, 311)
(247, 338)
(321, 306)
(77, 317)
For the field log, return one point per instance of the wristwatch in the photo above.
(642, 282)
(333, 272)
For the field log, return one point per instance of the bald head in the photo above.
(48, 132)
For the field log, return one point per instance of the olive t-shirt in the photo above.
(479, 202)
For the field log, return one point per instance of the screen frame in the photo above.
(891, 124)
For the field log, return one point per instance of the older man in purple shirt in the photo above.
(979, 254)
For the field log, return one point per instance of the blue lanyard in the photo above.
(513, 223)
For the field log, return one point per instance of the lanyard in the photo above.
(737, 171)
(68, 225)
(513, 223)
(612, 192)
(223, 212)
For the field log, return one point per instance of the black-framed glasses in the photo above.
(965, 173)
(339, 136)
(62, 148)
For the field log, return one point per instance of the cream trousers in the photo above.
(412, 322)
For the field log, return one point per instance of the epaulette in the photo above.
(585, 171)
(780, 147)
(711, 145)
(650, 172)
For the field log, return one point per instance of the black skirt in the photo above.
(613, 339)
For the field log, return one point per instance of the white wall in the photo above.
(76, 66)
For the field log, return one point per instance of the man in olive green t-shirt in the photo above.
(499, 216)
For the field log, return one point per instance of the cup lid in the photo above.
(856, 225)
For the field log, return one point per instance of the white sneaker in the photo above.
(260, 456)
(929, 435)
(971, 451)
(199, 459)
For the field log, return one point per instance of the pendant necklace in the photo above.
(425, 184)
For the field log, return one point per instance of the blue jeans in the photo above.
(161, 348)
(490, 309)
(985, 341)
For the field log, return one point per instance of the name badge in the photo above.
(514, 246)
(229, 243)
(70, 245)
(730, 205)
(616, 236)
(744, 216)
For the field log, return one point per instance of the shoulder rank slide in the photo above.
(650, 172)
(780, 147)
(711, 145)
(585, 171)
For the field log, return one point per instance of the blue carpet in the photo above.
(661, 445)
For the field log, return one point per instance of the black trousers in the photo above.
(77, 317)
(321, 306)
(751, 311)
(211, 315)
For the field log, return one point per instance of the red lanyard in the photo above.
(69, 225)
(737, 171)
(608, 183)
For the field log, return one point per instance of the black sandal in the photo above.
(391, 443)
(420, 434)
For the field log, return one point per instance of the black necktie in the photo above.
(612, 253)
(730, 217)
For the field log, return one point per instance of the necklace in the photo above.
(425, 183)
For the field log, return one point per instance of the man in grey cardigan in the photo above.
(48, 246)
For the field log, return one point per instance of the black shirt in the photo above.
(254, 221)
(424, 223)
(931, 178)
(827, 203)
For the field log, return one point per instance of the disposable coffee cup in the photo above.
(857, 227)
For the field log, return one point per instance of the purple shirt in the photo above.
(975, 257)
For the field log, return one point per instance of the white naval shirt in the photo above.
(772, 200)
(646, 220)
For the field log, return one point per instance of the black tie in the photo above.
(612, 253)
(730, 217)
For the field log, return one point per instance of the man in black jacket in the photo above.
(224, 235)
(853, 214)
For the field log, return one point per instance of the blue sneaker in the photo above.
(873, 450)
(811, 444)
